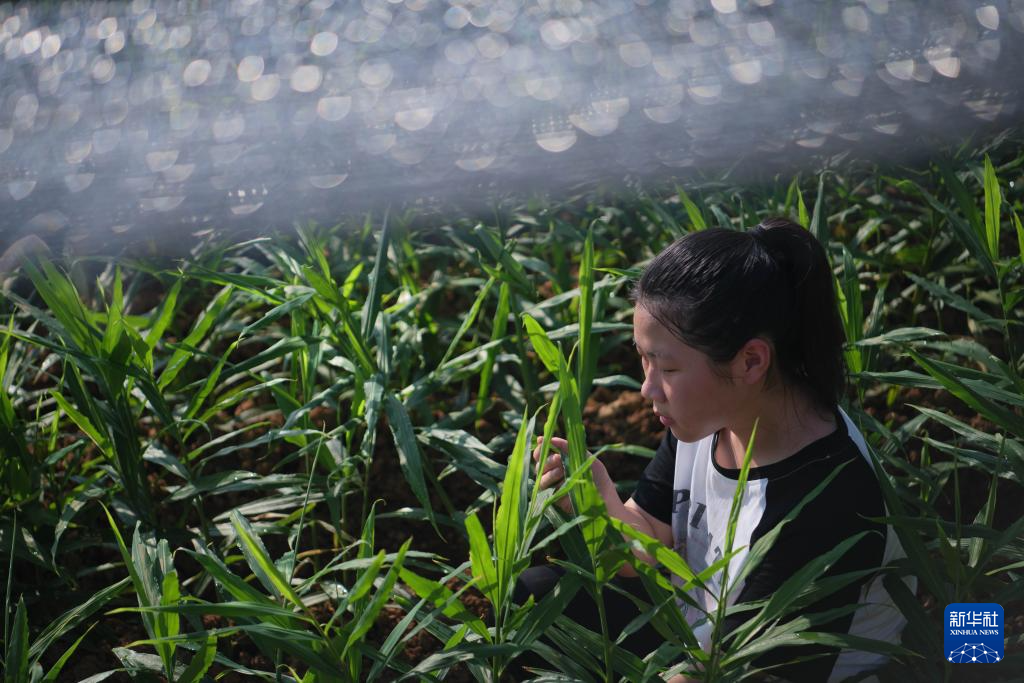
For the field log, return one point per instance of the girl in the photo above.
(733, 327)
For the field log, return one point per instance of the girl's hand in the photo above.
(554, 470)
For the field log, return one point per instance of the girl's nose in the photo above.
(651, 388)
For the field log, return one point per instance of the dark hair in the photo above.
(717, 288)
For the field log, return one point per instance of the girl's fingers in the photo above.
(554, 461)
(551, 477)
(557, 443)
(553, 471)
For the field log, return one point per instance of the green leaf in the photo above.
(163, 319)
(819, 221)
(133, 573)
(263, 607)
(259, 560)
(658, 213)
(1006, 541)
(83, 422)
(692, 211)
(760, 549)
(468, 320)
(913, 545)
(1020, 235)
(182, 354)
(16, 656)
(278, 312)
(142, 665)
(498, 332)
(304, 646)
(443, 599)
(199, 398)
(543, 614)
(70, 619)
(586, 499)
(366, 618)
(167, 623)
(730, 537)
(258, 286)
(575, 638)
(795, 632)
(546, 351)
(920, 625)
(851, 642)
(965, 201)
(954, 300)
(463, 653)
(115, 323)
(796, 585)
(511, 269)
(409, 457)
(201, 662)
(353, 600)
(986, 518)
(737, 498)
(71, 320)
(373, 297)
(58, 666)
(1001, 416)
(664, 557)
(484, 571)
(586, 360)
(968, 236)
(509, 528)
(993, 202)
(230, 608)
(351, 342)
(851, 308)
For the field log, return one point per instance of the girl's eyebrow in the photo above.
(649, 354)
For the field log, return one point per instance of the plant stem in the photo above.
(605, 637)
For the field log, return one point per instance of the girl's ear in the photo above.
(753, 361)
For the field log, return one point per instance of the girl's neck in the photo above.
(787, 421)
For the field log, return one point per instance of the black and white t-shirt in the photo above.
(685, 487)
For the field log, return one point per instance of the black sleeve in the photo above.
(838, 513)
(654, 489)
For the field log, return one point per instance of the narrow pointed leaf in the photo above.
(546, 351)
(409, 457)
(484, 571)
(993, 202)
(201, 662)
(16, 660)
(509, 527)
(58, 666)
(259, 560)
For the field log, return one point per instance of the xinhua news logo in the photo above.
(974, 633)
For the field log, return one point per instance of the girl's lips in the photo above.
(664, 420)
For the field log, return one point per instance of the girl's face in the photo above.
(688, 395)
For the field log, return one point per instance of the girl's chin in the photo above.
(684, 435)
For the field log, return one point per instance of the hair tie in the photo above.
(776, 253)
(759, 233)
